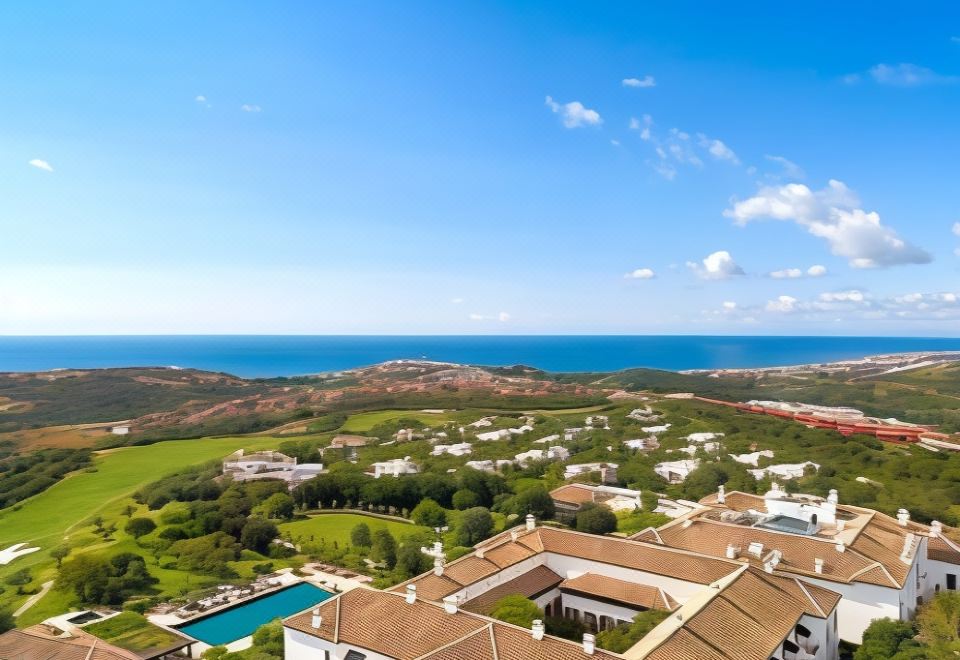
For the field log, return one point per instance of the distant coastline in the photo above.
(289, 355)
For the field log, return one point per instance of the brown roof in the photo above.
(631, 594)
(37, 643)
(530, 584)
(384, 623)
(941, 549)
(572, 494)
(747, 620)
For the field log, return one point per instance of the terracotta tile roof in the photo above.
(530, 584)
(572, 494)
(508, 554)
(35, 643)
(384, 623)
(635, 595)
(470, 569)
(940, 549)
(736, 501)
(432, 587)
(866, 560)
(747, 619)
(648, 557)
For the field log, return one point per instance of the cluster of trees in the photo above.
(206, 524)
(24, 475)
(934, 634)
(267, 645)
(105, 581)
(622, 637)
(345, 485)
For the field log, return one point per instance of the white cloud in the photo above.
(646, 81)
(615, 143)
(200, 98)
(729, 305)
(816, 271)
(790, 169)
(955, 40)
(718, 149)
(783, 304)
(787, 274)
(907, 75)
(503, 317)
(574, 114)
(641, 274)
(41, 164)
(249, 107)
(716, 266)
(477, 317)
(852, 295)
(642, 125)
(832, 214)
(956, 228)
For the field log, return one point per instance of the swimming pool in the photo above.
(237, 622)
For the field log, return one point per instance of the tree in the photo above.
(429, 514)
(129, 510)
(596, 519)
(884, 638)
(6, 621)
(534, 500)
(939, 621)
(60, 553)
(516, 609)
(465, 499)
(384, 548)
(360, 536)
(215, 652)
(258, 534)
(268, 638)
(278, 506)
(410, 561)
(622, 637)
(137, 527)
(19, 579)
(475, 525)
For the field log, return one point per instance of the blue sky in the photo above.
(431, 167)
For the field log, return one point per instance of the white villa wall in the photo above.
(860, 604)
(571, 567)
(301, 646)
(598, 608)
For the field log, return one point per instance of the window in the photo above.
(952, 581)
(354, 655)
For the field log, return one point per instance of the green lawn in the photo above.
(132, 631)
(337, 526)
(62, 513)
(366, 421)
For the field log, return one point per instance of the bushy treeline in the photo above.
(22, 476)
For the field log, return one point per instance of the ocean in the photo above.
(266, 356)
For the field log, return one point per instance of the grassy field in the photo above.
(366, 421)
(61, 514)
(337, 526)
(132, 631)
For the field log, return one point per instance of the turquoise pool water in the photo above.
(232, 624)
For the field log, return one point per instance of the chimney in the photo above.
(840, 546)
(903, 517)
(450, 604)
(721, 494)
(818, 565)
(936, 528)
(438, 566)
(538, 629)
(833, 497)
(841, 525)
(514, 535)
(589, 643)
(731, 551)
(531, 522)
(481, 552)
(316, 619)
(411, 594)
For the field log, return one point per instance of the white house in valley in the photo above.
(676, 471)
(392, 468)
(784, 471)
(752, 458)
(458, 449)
(549, 454)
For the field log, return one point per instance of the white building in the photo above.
(520, 430)
(547, 439)
(703, 437)
(784, 470)
(752, 458)
(549, 454)
(662, 428)
(709, 447)
(488, 466)
(572, 433)
(608, 471)
(393, 468)
(641, 444)
(676, 471)
(268, 465)
(490, 436)
(120, 430)
(598, 421)
(458, 449)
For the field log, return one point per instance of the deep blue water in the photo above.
(255, 356)
(242, 620)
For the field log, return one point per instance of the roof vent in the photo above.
(840, 546)
(818, 565)
(450, 604)
(531, 522)
(481, 552)
(841, 525)
(589, 643)
(903, 517)
(514, 535)
(316, 619)
(721, 494)
(732, 551)
(833, 497)
(687, 523)
(538, 629)
(936, 528)
(411, 594)
(755, 549)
